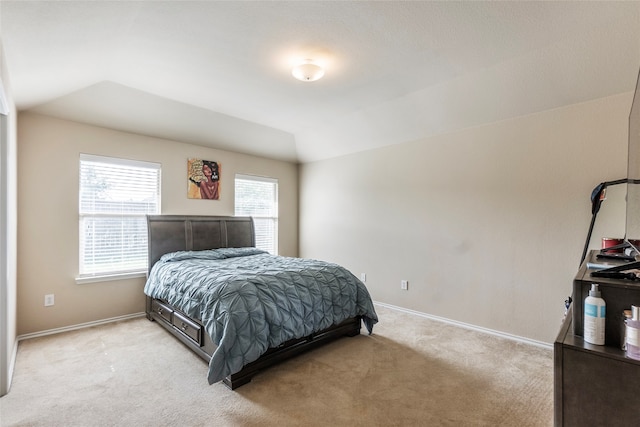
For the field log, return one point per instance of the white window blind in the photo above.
(258, 197)
(115, 197)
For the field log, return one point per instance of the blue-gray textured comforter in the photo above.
(249, 300)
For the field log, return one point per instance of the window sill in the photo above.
(109, 277)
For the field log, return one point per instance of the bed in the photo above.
(240, 308)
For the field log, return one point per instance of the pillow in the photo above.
(211, 254)
(238, 252)
(183, 255)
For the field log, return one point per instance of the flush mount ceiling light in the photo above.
(308, 71)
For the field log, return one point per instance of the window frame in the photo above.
(98, 276)
(276, 208)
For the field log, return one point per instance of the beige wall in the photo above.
(48, 163)
(486, 224)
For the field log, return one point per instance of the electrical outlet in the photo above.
(49, 300)
(404, 285)
(363, 277)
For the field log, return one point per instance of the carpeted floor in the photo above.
(411, 372)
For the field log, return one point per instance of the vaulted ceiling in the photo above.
(219, 73)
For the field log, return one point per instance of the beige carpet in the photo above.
(412, 371)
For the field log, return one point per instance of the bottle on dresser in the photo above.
(633, 334)
(594, 316)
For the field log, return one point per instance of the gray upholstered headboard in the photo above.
(170, 233)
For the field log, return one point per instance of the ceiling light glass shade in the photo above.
(308, 72)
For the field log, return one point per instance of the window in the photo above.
(115, 197)
(258, 197)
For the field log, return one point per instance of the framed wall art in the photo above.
(203, 179)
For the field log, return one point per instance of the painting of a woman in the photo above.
(204, 179)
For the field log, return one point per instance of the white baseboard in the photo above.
(80, 326)
(389, 306)
(469, 326)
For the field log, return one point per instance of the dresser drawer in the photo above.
(187, 327)
(164, 311)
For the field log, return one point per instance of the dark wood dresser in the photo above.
(596, 385)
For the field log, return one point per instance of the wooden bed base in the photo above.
(204, 347)
(168, 233)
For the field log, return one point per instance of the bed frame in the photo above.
(169, 233)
